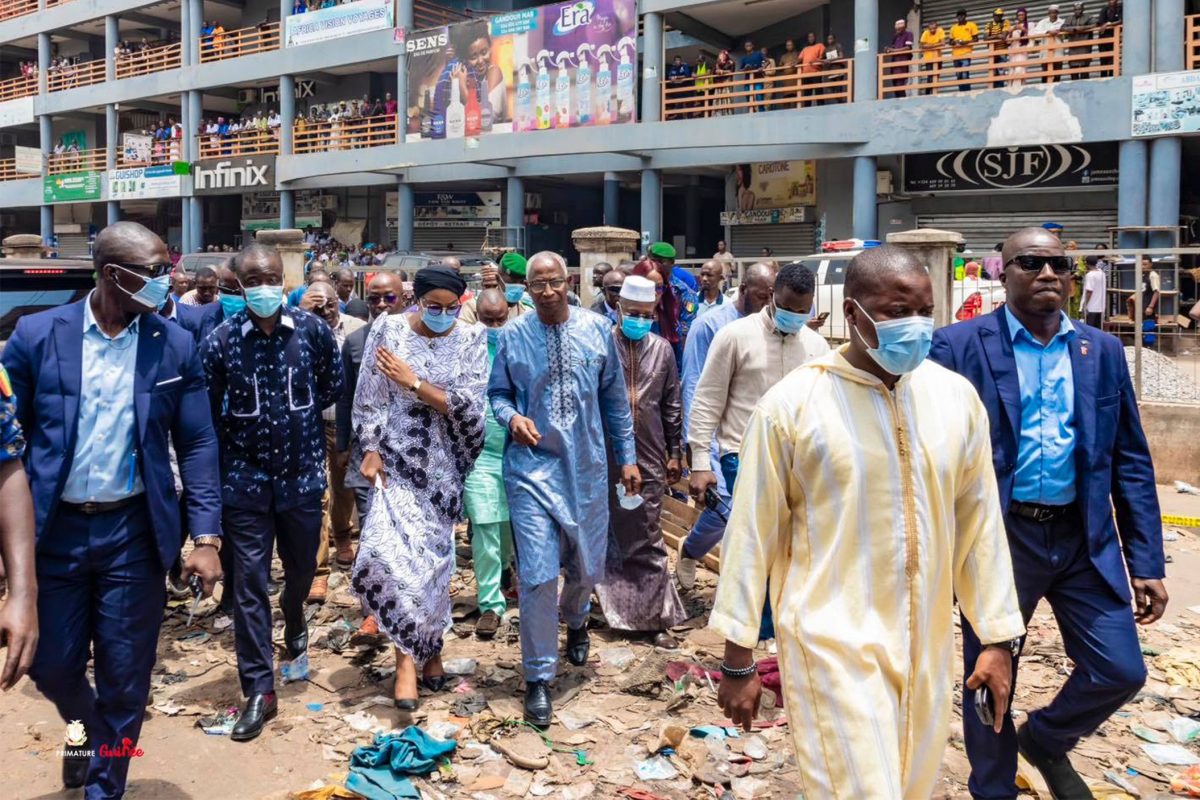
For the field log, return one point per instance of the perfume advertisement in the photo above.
(567, 65)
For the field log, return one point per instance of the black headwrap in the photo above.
(430, 278)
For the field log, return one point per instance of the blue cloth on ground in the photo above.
(378, 771)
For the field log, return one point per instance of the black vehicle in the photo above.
(29, 285)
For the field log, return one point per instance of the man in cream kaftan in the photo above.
(872, 510)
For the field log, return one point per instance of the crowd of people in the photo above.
(1014, 48)
(304, 6)
(857, 494)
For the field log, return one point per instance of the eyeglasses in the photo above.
(537, 287)
(1061, 265)
(389, 298)
(438, 311)
(155, 270)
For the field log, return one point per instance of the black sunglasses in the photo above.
(155, 270)
(389, 298)
(613, 290)
(1061, 265)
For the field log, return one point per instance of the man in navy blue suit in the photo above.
(1069, 451)
(99, 385)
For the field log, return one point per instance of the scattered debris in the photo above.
(1172, 754)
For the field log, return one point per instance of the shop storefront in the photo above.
(772, 207)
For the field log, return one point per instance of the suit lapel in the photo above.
(998, 347)
(68, 347)
(152, 336)
(1084, 361)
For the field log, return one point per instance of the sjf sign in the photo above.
(1053, 166)
(234, 175)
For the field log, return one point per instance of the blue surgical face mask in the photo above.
(513, 292)
(154, 291)
(231, 304)
(493, 335)
(263, 301)
(635, 328)
(789, 322)
(439, 323)
(903, 343)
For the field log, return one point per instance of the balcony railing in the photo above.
(432, 15)
(20, 86)
(716, 95)
(8, 171)
(318, 137)
(161, 152)
(17, 8)
(242, 143)
(153, 59)
(240, 42)
(78, 161)
(75, 75)
(1192, 42)
(995, 65)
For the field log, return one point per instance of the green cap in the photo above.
(662, 250)
(513, 262)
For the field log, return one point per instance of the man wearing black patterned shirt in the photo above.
(271, 370)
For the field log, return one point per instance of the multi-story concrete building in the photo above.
(858, 140)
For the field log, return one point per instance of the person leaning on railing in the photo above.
(679, 77)
(1110, 17)
(933, 38)
(703, 74)
(835, 59)
(996, 34)
(1079, 27)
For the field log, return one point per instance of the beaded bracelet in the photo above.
(744, 672)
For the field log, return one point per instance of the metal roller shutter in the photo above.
(984, 231)
(785, 241)
(465, 240)
(74, 245)
(980, 11)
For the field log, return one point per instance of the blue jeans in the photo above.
(729, 469)
(962, 65)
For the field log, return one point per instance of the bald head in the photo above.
(547, 259)
(324, 290)
(128, 242)
(384, 282)
(1027, 238)
(491, 301)
(877, 267)
(759, 273)
(450, 262)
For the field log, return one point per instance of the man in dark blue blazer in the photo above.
(100, 385)
(1074, 471)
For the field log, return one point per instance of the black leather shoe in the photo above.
(405, 705)
(538, 709)
(434, 683)
(259, 709)
(75, 768)
(1061, 778)
(578, 645)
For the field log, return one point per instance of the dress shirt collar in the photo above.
(89, 320)
(1015, 328)
(285, 319)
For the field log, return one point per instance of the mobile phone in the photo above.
(824, 315)
(983, 706)
(713, 500)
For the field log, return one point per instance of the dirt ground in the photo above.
(614, 711)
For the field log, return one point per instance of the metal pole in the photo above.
(1137, 325)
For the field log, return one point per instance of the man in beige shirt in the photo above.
(747, 358)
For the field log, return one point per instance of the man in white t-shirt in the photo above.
(1093, 293)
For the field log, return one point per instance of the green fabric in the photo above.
(491, 551)
(484, 498)
(662, 250)
(513, 262)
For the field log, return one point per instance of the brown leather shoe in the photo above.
(664, 641)
(343, 554)
(320, 588)
(367, 633)
(487, 625)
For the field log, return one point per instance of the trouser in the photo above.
(962, 65)
(998, 70)
(296, 532)
(1051, 560)
(709, 528)
(931, 69)
(729, 468)
(491, 551)
(100, 587)
(362, 502)
(1094, 318)
(540, 607)
(337, 504)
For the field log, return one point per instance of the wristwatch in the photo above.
(416, 387)
(1012, 645)
(212, 541)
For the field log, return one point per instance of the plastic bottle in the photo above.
(562, 92)
(524, 102)
(625, 108)
(604, 87)
(583, 86)
(426, 116)
(437, 127)
(474, 120)
(542, 109)
(456, 115)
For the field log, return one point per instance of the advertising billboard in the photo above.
(71, 187)
(567, 65)
(1166, 103)
(146, 183)
(28, 160)
(234, 175)
(1051, 166)
(360, 16)
(772, 192)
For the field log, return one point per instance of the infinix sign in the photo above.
(234, 175)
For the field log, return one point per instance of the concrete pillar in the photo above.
(1168, 44)
(1135, 37)
(612, 198)
(197, 215)
(287, 208)
(187, 34)
(195, 12)
(514, 203)
(691, 218)
(285, 11)
(111, 136)
(1131, 190)
(195, 102)
(185, 119)
(404, 217)
(404, 19)
(112, 212)
(865, 213)
(43, 48)
(46, 137)
(652, 204)
(47, 223)
(1165, 158)
(652, 66)
(185, 225)
(290, 244)
(287, 113)
(936, 250)
(607, 243)
(112, 35)
(866, 49)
